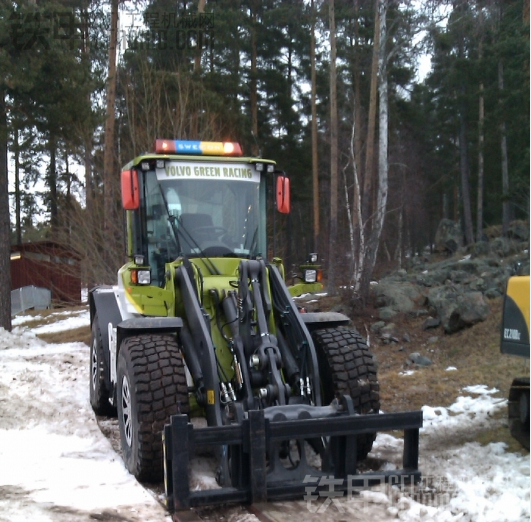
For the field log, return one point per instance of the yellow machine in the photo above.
(515, 341)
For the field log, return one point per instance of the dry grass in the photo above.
(475, 352)
(81, 334)
(45, 317)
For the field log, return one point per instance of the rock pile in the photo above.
(456, 290)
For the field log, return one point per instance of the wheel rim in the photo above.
(94, 366)
(126, 411)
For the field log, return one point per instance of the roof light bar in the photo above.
(198, 148)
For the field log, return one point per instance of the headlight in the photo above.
(140, 277)
(144, 277)
(310, 276)
(312, 258)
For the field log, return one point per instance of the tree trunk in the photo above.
(383, 164)
(89, 186)
(315, 158)
(506, 208)
(481, 136)
(87, 156)
(367, 199)
(194, 120)
(108, 157)
(357, 116)
(481, 141)
(253, 95)
(16, 153)
(67, 219)
(198, 51)
(52, 185)
(332, 261)
(5, 251)
(464, 170)
(358, 243)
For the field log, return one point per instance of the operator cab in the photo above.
(195, 199)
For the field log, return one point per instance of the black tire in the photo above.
(151, 383)
(519, 410)
(98, 392)
(347, 367)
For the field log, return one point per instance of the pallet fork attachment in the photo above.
(251, 444)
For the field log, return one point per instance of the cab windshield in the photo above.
(205, 215)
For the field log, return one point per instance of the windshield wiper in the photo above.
(193, 243)
(253, 243)
(171, 219)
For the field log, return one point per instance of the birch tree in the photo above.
(383, 165)
(368, 218)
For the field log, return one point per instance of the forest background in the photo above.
(329, 89)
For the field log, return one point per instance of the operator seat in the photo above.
(198, 230)
(195, 228)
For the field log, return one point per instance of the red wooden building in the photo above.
(47, 265)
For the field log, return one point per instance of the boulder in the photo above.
(470, 266)
(377, 326)
(449, 236)
(419, 360)
(504, 247)
(386, 313)
(478, 284)
(519, 230)
(493, 293)
(481, 248)
(458, 310)
(459, 276)
(389, 329)
(400, 296)
(431, 322)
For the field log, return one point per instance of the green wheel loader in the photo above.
(201, 324)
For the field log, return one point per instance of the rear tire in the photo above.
(151, 383)
(98, 392)
(519, 410)
(347, 367)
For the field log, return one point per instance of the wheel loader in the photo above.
(202, 325)
(515, 341)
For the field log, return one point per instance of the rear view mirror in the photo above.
(130, 190)
(283, 195)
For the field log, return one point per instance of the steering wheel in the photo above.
(218, 231)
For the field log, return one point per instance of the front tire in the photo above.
(347, 367)
(151, 384)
